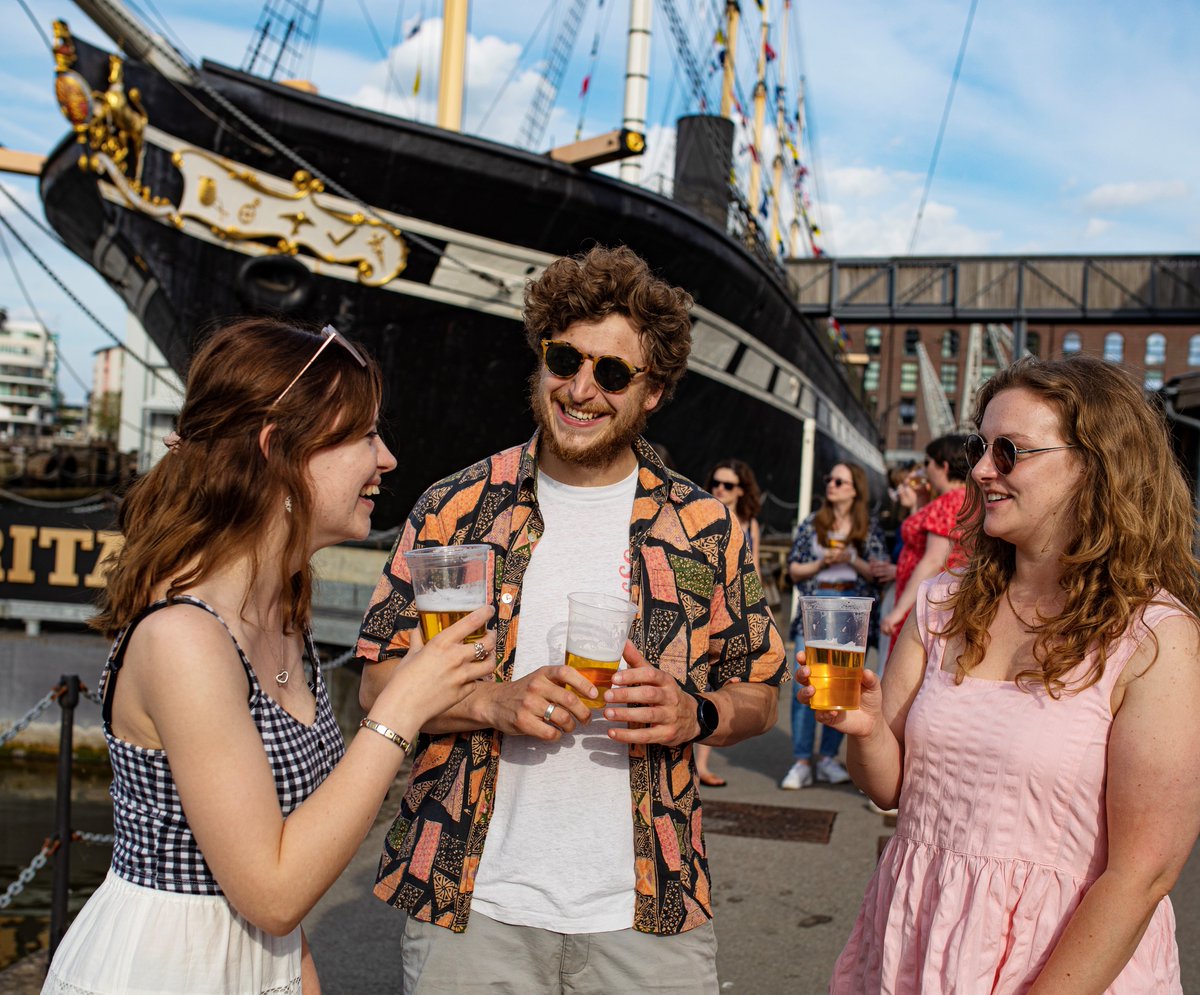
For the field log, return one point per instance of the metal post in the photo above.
(62, 813)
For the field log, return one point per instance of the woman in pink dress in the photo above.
(1036, 723)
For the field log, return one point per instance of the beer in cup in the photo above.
(597, 627)
(449, 582)
(835, 645)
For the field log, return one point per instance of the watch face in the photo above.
(706, 717)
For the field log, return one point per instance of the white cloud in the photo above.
(1121, 195)
(1096, 227)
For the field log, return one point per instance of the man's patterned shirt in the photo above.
(702, 618)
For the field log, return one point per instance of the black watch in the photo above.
(706, 716)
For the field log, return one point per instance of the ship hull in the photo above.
(474, 220)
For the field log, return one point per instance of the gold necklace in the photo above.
(1016, 614)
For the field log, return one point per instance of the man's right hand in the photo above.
(519, 707)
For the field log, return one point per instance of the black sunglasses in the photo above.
(836, 481)
(724, 485)
(611, 373)
(1004, 452)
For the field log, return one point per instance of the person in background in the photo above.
(215, 733)
(1037, 720)
(931, 534)
(732, 482)
(835, 553)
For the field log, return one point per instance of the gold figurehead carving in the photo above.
(232, 201)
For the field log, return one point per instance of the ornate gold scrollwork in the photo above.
(238, 204)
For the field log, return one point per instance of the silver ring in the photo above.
(548, 712)
(480, 652)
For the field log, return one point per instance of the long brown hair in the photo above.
(749, 502)
(207, 501)
(1132, 519)
(860, 510)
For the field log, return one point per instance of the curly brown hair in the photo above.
(1132, 517)
(206, 501)
(594, 284)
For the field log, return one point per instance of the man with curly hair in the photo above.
(593, 877)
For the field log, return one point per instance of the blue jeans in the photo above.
(804, 723)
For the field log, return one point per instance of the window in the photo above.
(874, 340)
(912, 339)
(1114, 347)
(1071, 343)
(908, 377)
(1156, 349)
(908, 411)
(1154, 380)
(1033, 342)
(871, 377)
(1194, 351)
(949, 344)
(986, 372)
(949, 377)
(906, 439)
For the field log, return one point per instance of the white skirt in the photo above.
(130, 940)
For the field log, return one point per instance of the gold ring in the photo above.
(548, 712)
(480, 652)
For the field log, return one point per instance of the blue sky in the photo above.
(1073, 128)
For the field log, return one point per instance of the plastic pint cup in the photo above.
(835, 645)
(449, 582)
(597, 627)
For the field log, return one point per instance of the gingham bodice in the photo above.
(154, 845)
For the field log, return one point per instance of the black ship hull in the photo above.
(458, 225)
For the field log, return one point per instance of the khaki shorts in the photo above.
(494, 958)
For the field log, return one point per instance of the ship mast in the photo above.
(637, 79)
(780, 129)
(454, 58)
(731, 26)
(760, 109)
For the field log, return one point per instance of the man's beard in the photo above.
(623, 427)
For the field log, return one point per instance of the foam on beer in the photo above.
(830, 644)
(456, 600)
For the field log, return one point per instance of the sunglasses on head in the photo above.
(724, 485)
(1004, 452)
(611, 373)
(331, 335)
(836, 481)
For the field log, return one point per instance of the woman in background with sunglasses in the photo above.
(231, 810)
(733, 483)
(835, 553)
(930, 535)
(1037, 720)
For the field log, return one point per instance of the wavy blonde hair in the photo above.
(1134, 524)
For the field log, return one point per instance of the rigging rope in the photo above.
(937, 145)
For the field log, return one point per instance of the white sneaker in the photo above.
(799, 776)
(828, 769)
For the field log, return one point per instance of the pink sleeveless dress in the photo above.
(1001, 832)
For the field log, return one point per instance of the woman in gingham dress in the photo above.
(232, 812)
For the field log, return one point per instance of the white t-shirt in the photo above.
(559, 850)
